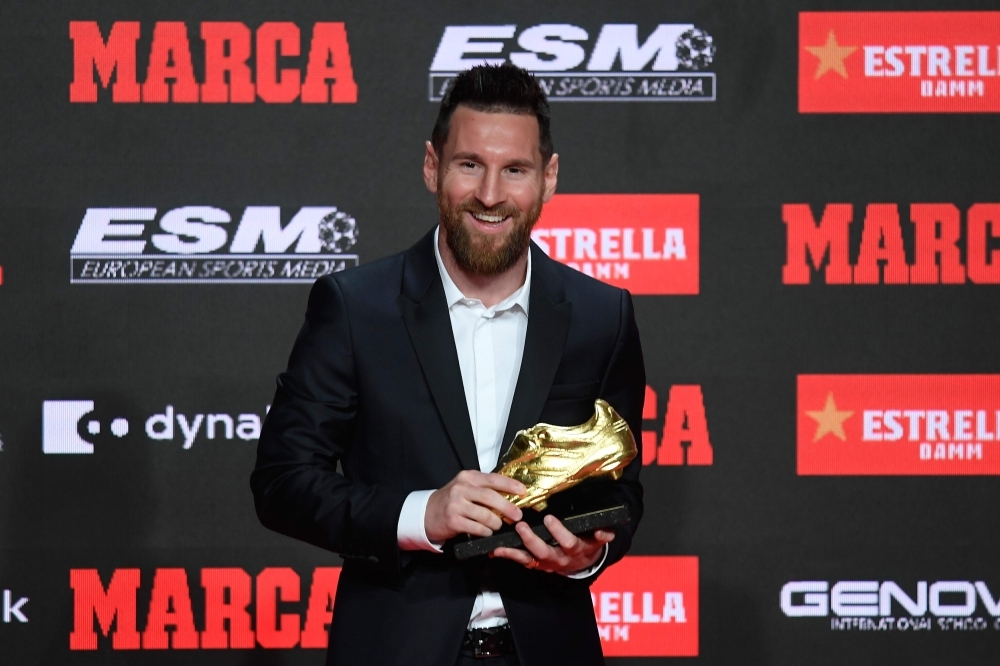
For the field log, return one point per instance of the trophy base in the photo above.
(584, 522)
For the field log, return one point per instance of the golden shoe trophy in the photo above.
(549, 459)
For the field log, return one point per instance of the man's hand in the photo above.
(466, 505)
(573, 554)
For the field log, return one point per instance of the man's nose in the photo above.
(490, 190)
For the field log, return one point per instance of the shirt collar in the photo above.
(454, 295)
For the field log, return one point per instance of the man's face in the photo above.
(490, 184)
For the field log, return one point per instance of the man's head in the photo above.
(491, 164)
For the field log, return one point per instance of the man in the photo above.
(415, 372)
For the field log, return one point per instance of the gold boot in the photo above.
(548, 459)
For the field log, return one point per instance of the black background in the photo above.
(752, 522)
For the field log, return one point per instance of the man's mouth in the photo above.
(488, 219)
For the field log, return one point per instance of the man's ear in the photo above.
(551, 176)
(430, 168)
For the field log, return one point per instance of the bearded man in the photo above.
(413, 373)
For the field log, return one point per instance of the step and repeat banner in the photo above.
(804, 204)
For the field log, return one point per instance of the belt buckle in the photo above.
(484, 653)
(487, 644)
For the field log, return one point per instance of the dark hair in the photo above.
(504, 88)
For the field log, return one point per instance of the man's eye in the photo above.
(469, 165)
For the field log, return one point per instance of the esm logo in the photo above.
(667, 64)
(240, 66)
(201, 244)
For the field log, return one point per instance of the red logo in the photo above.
(230, 74)
(898, 425)
(685, 428)
(646, 243)
(947, 249)
(647, 606)
(240, 611)
(899, 62)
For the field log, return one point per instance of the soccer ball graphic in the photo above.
(338, 232)
(695, 49)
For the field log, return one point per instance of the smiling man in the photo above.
(415, 372)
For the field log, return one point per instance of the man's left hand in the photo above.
(572, 555)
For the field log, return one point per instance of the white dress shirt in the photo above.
(490, 344)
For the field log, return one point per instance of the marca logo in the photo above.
(947, 249)
(665, 66)
(645, 606)
(196, 246)
(685, 428)
(235, 610)
(648, 607)
(899, 62)
(869, 605)
(227, 76)
(898, 424)
(646, 243)
(65, 430)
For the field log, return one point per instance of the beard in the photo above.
(482, 254)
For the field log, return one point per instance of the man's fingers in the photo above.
(604, 536)
(494, 500)
(481, 515)
(568, 541)
(503, 484)
(534, 544)
(522, 557)
(463, 525)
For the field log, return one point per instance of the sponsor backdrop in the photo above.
(801, 196)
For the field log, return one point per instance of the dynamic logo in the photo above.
(13, 609)
(899, 62)
(685, 428)
(236, 610)
(668, 65)
(65, 428)
(117, 245)
(228, 76)
(646, 243)
(948, 247)
(868, 605)
(898, 425)
(647, 606)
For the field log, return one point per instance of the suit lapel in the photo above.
(548, 327)
(425, 312)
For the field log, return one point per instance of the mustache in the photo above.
(501, 210)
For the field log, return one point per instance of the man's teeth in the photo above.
(488, 218)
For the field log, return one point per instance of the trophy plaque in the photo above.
(550, 459)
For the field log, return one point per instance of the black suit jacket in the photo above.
(373, 383)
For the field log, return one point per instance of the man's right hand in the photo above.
(467, 504)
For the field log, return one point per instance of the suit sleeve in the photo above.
(624, 387)
(296, 486)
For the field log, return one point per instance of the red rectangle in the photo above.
(647, 606)
(899, 62)
(646, 243)
(877, 425)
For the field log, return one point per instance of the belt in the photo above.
(489, 641)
